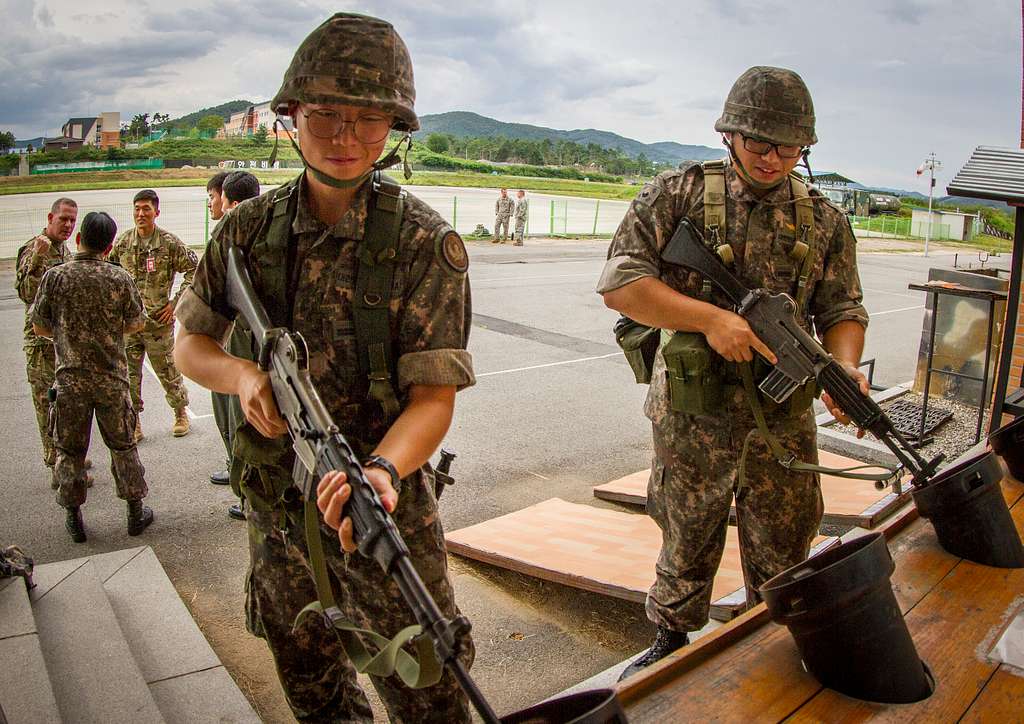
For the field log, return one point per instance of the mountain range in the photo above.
(463, 124)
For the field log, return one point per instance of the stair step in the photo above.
(94, 676)
(26, 695)
(203, 697)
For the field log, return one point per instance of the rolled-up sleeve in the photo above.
(838, 297)
(633, 253)
(42, 310)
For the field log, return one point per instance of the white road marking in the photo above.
(893, 311)
(549, 364)
(537, 475)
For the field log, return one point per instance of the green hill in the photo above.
(463, 124)
(224, 110)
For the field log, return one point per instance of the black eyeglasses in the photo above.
(370, 128)
(762, 148)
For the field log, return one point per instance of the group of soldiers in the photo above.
(376, 282)
(92, 317)
(506, 209)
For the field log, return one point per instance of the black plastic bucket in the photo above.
(842, 613)
(966, 507)
(599, 706)
(1008, 443)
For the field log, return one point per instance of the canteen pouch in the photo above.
(695, 382)
(640, 344)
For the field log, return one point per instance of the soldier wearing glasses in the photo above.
(310, 246)
(776, 233)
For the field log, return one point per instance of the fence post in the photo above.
(455, 212)
(597, 208)
(552, 229)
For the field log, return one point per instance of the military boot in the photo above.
(139, 516)
(181, 423)
(138, 429)
(75, 526)
(666, 642)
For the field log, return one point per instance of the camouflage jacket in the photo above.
(87, 303)
(761, 232)
(504, 206)
(153, 262)
(31, 268)
(522, 209)
(430, 309)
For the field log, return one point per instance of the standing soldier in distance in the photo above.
(153, 256)
(394, 404)
(780, 235)
(87, 306)
(502, 213)
(34, 259)
(522, 213)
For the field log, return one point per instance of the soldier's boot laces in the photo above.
(181, 423)
(139, 517)
(665, 643)
(138, 429)
(75, 526)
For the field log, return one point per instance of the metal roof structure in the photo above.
(832, 178)
(991, 173)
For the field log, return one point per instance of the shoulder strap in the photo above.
(272, 252)
(803, 249)
(371, 300)
(714, 200)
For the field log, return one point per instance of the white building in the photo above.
(952, 225)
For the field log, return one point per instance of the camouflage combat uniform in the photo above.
(39, 355)
(522, 212)
(153, 262)
(430, 316)
(87, 303)
(503, 208)
(694, 474)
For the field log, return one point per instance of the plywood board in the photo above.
(847, 502)
(604, 551)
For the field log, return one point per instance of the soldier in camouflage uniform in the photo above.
(503, 208)
(522, 213)
(34, 259)
(87, 306)
(342, 123)
(768, 123)
(153, 256)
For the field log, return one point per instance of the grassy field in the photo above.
(199, 176)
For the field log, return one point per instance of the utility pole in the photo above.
(931, 163)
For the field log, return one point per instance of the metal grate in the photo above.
(906, 418)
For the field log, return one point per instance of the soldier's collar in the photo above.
(155, 236)
(350, 226)
(740, 191)
(79, 255)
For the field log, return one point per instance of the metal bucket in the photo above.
(599, 706)
(841, 611)
(1008, 443)
(966, 507)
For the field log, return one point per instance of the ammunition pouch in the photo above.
(792, 408)
(640, 344)
(695, 376)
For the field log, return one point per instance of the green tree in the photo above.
(210, 123)
(260, 137)
(6, 141)
(438, 143)
(139, 125)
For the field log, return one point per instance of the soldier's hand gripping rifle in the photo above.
(772, 317)
(321, 448)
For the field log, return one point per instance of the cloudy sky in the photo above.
(892, 79)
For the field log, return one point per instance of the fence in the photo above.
(464, 209)
(896, 227)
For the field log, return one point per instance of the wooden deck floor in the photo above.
(749, 670)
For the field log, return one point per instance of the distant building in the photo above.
(35, 144)
(952, 225)
(247, 122)
(103, 131)
(63, 143)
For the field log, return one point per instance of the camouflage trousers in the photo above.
(40, 369)
(520, 230)
(318, 680)
(72, 427)
(501, 222)
(694, 481)
(157, 342)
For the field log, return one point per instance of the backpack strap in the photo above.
(371, 300)
(271, 249)
(714, 201)
(804, 247)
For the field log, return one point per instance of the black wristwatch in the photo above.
(376, 461)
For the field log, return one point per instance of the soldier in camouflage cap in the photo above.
(780, 235)
(348, 86)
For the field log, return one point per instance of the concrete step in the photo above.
(94, 675)
(26, 695)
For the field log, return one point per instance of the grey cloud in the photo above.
(44, 17)
(284, 21)
(911, 12)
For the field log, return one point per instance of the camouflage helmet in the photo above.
(352, 60)
(772, 104)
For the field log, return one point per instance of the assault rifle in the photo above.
(321, 448)
(772, 317)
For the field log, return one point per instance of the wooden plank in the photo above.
(1002, 700)
(847, 502)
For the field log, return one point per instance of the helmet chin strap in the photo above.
(387, 161)
(759, 185)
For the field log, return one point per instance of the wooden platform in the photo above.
(750, 670)
(604, 551)
(847, 502)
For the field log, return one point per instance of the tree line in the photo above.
(543, 152)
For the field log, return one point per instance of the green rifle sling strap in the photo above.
(378, 255)
(785, 459)
(272, 252)
(804, 247)
(714, 201)
(416, 672)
